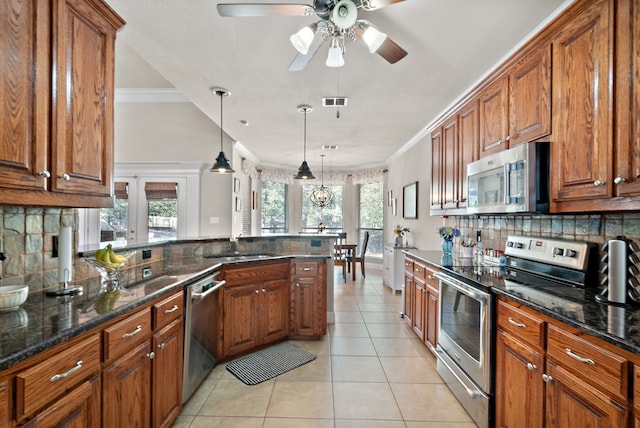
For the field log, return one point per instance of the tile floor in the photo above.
(371, 371)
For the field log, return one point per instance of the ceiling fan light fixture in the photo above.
(304, 172)
(344, 14)
(334, 57)
(221, 166)
(373, 38)
(303, 38)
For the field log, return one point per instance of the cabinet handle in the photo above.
(579, 358)
(45, 174)
(168, 311)
(65, 177)
(546, 378)
(494, 144)
(306, 269)
(532, 367)
(598, 183)
(516, 323)
(133, 333)
(619, 180)
(162, 345)
(69, 372)
(151, 355)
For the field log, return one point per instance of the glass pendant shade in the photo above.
(221, 166)
(304, 172)
(373, 38)
(303, 38)
(335, 58)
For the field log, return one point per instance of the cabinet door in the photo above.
(274, 305)
(82, 125)
(240, 319)
(573, 403)
(494, 117)
(582, 103)
(437, 168)
(431, 330)
(530, 98)
(25, 85)
(627, 143)
(419, 308)
(80, 407)
(5, 409)
(467, 146)
(306, 320)
(450, 163)
(408, 298)
(167, 374)
(519, 386)
(127, 389)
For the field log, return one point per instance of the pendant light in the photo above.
(321, 196)
(304, 173)
(221, 166)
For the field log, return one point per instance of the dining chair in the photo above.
(363, 250)
(339, 258)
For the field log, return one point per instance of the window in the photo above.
(331, 216)
(274, 208)
(162, 210)
(370, 210)
(114, 221)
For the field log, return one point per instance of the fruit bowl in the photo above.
(108, 266)
(12, 296)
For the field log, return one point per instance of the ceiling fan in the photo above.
(338, 20)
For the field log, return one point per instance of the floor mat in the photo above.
(269, 363)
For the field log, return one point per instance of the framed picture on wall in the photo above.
(410, 201)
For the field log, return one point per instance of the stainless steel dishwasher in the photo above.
(200, 332)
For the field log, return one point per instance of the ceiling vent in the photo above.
(334, 101)
(329, 147)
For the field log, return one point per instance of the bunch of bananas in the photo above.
(109, 258)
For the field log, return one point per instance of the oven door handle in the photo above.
(461, 286)
(470, 392)
(199, 296)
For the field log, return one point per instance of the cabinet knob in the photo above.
(531, 367)
(257, 291)
(151, 355)
(162, 345)
(598, 183)
(508, 138)
(619, 180)
(65, 177)
(45, 174)
(546, 378)
(264, 290)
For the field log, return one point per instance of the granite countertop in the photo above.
(618, 325)
(42, 322)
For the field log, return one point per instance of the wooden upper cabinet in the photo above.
(581, 150)
(494, 117)
(56, 124)
(437, 168)
(24, 85)
(627, 155)
(449, 163)
(468, 124)
(530, 97)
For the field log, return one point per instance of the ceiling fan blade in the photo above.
(391, 51)
(301, 61)
(264, 9)
(377, 4)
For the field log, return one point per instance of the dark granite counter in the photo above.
(42, 322)
(619, 325)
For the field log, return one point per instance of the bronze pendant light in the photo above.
(321, 196)
(221, 166)
(304, 173)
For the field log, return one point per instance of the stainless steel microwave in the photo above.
(511, 181)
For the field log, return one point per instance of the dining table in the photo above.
(349, 251)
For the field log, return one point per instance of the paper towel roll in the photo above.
(65, 254)
(617, 265)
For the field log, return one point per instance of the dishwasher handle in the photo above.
(217, 285)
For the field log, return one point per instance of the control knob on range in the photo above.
(509, 244)
(569, 252)
(519, 245)
(557, 251)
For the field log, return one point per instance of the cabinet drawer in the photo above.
(51, 378)
(521, 324)
(431, 280)
(166, 311)
(408, 265)
(122, 336)
(306, 268)
(255, 272)
(420, 271)
(595, 365)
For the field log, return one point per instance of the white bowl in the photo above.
(12, 296)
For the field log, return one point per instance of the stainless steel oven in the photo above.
(465, 344)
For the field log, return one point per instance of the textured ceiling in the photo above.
(451, 44)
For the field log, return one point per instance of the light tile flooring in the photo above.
(371, 371)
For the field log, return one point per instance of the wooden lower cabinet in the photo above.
(421, 301)
(636, 396)
(308, 300)
(549, 375)
(419, 307)
(5, 410)
(127, 389)
(166, 381)
(408, 292)
(78, 408)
